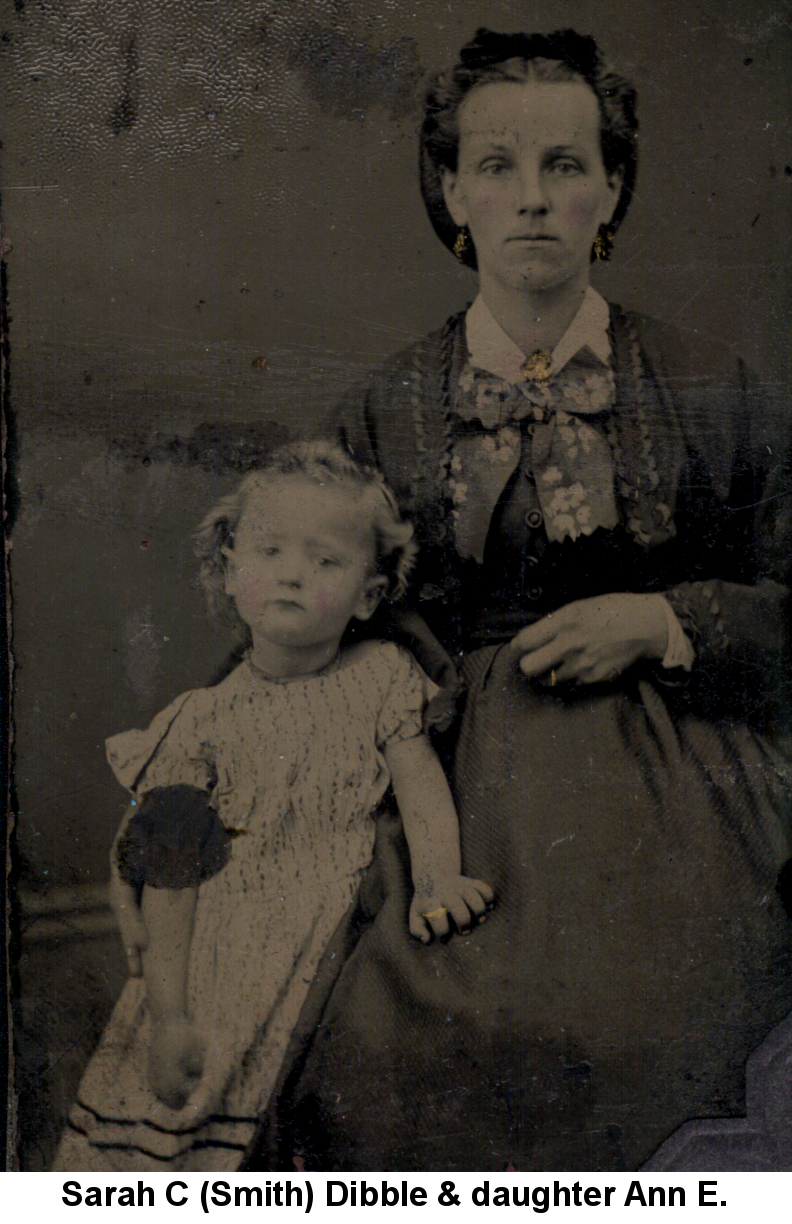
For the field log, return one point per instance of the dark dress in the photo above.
(633, 832)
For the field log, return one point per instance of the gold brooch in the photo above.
(538, 365)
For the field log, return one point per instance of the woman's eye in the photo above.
(564, 166)
(270, 550)
(328, 561)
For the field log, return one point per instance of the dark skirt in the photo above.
(637, 952)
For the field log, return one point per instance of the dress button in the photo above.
(535, 593)
(534, 518)
(531, 429)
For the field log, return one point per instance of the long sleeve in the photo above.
(733, 511)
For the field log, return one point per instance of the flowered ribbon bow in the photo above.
(571, 461)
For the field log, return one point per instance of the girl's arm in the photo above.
(175, 1061)
(124, 902)
(157, 933)
(168, 915)
(432, 831)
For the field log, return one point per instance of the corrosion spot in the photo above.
(347, 76)
(124, 115)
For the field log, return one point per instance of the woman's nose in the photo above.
(532, 197)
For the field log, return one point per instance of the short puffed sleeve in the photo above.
(175, 838)
(408, 694)
(172, 751)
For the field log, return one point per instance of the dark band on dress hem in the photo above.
(213, 1119)
(131, 1147)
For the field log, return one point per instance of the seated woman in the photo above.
(600, 553)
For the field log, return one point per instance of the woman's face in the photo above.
(530, 182)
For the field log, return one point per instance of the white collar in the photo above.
(491, 349)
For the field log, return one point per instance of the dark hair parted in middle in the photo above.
(493, 58)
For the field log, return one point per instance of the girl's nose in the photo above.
(290, 571)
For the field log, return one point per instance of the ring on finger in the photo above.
(440, 912)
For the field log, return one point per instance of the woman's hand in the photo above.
(175, 1061)
(593, 640)
(452, 897)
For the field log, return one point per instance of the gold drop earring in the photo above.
(461, 242)
(603, 244)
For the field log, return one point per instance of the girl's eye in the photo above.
(494, 166)
(328, 561)
(270, 550)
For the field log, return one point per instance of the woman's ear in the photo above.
(367, 604)
(229, 567)
(454, 201)
(615, 183)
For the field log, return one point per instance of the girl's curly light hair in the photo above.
(325, 463)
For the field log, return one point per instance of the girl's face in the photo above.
(530, 182)
(302, 565)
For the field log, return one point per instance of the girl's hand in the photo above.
(593, 640)
(123, 899)
(451, 898)
(175, 1061)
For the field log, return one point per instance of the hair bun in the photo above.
(489, 47)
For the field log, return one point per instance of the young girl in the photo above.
(266, 785)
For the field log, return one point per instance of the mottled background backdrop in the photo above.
(215, 223)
